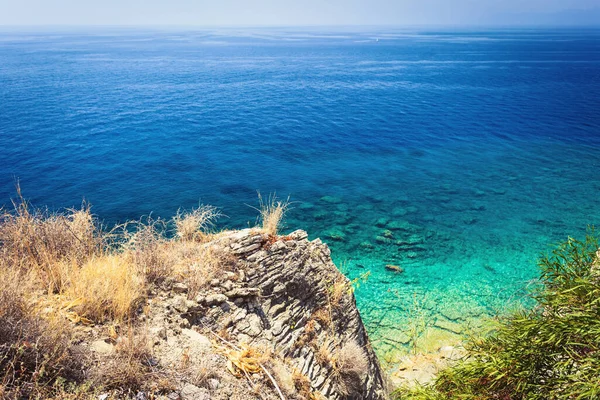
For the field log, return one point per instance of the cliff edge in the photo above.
(281, 317)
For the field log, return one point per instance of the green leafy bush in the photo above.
(549, 352)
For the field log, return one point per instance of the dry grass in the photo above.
(131, 368)
(323, 317)
(146, 248)
(105, 288)
(323, 355)
(34, 351)
(40, 241)
(57, 265)
(302, 384)
(197, 264)
(272, 212)
(350, 366)
(337, 291)
(194, 225)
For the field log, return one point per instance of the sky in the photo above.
(299, 12)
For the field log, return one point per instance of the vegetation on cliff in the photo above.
(549, 352)
(171, 310)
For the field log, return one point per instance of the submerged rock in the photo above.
(394, 268)
(336, 234)
(331, 199)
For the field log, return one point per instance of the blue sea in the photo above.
(460, 156)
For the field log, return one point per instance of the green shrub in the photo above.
(549, 352)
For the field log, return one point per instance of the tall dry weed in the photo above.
(34, 239)
(272, 211)
(147, 249)
(193, 225)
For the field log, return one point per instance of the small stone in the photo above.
(180, 288)
(388, 234)
(215, 299)
(160, 332)
(230, 275)
(101, 347)
(173, 396)
(192, 306)
(180, 304)
(215, 282)
(184, 323)
(227, 285)
(103, 396)
(141, 396)
(213, 384)
(199, 341)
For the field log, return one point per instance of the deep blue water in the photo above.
(474, 150)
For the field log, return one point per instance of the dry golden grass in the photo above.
(34, 351)
(302, 384)
(197, 264)
(39, 240)
(337, 291)
(105, 287)
(57, 265)
(272, 212)
(323, 355)
(194, 225)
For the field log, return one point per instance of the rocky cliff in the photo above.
(279, 322)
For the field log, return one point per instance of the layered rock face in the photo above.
(284, 294)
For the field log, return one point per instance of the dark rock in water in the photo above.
(384, 240)
(394, 268)
(335, 234)
(306, 206)
(381, 222)
(331, 199)
(320, 215)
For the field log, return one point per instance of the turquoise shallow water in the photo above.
(459, 156)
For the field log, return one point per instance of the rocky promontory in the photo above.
(278, 321)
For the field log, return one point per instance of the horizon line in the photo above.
(337, 26)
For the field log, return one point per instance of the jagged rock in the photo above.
(242, 292)
(215, 299)
(274, 295)
(180, 287)
(287, 285)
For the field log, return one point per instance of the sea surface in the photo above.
(459, 156)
